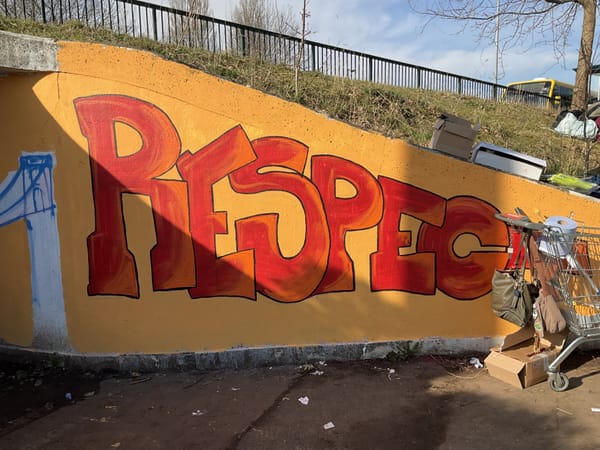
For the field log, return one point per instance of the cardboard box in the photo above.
(508, 160)
(454, 135)
(515, 363)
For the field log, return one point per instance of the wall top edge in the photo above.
(24, 53)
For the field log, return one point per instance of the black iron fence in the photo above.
(174, 26)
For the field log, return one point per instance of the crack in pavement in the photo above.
(256, 422)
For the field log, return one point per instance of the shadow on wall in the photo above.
(178, 189)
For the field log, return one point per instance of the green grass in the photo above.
(402, 113)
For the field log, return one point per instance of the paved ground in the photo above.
(425, 403)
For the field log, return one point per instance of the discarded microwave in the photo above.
(508, 160)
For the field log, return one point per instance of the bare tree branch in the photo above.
(525, 23)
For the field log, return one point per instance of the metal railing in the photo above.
(174, 26)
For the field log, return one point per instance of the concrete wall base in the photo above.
(239, 358)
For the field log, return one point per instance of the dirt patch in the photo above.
(29, 391)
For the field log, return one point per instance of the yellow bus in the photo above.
(541, 91)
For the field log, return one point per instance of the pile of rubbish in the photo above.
(579, 124)
(456, 136)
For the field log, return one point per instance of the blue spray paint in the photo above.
(28, 194)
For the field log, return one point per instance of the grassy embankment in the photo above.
(395, 112)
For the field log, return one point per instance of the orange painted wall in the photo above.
(111, 114)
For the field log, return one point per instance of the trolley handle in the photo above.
(519, 220)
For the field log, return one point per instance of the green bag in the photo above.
(512, 297)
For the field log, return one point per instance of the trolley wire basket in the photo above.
(572, 265)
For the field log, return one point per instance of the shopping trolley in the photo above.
(572, 261)
(571, 265)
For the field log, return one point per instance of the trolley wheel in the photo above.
(558, 382)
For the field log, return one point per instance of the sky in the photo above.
(390, 29)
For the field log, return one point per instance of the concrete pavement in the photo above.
(425, 403)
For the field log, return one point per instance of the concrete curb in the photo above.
(239, 358)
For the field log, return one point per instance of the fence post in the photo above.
(243, 42)
(460, 85)
(370, 69)
(313, 63)
(154, 24)
(419, 78)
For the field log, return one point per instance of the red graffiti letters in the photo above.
(412, 272)
(464, 277)
(283, 279)
(187, 225)
(345, 214)
(230, 274)
(112, 267)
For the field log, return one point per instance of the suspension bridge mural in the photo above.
(27, 194)
(199, 215)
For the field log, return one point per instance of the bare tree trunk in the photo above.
(266, 15)
(584, 62)
(189, 32)
(300, 55)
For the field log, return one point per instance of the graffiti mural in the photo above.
(28, 194)
(186, 222)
